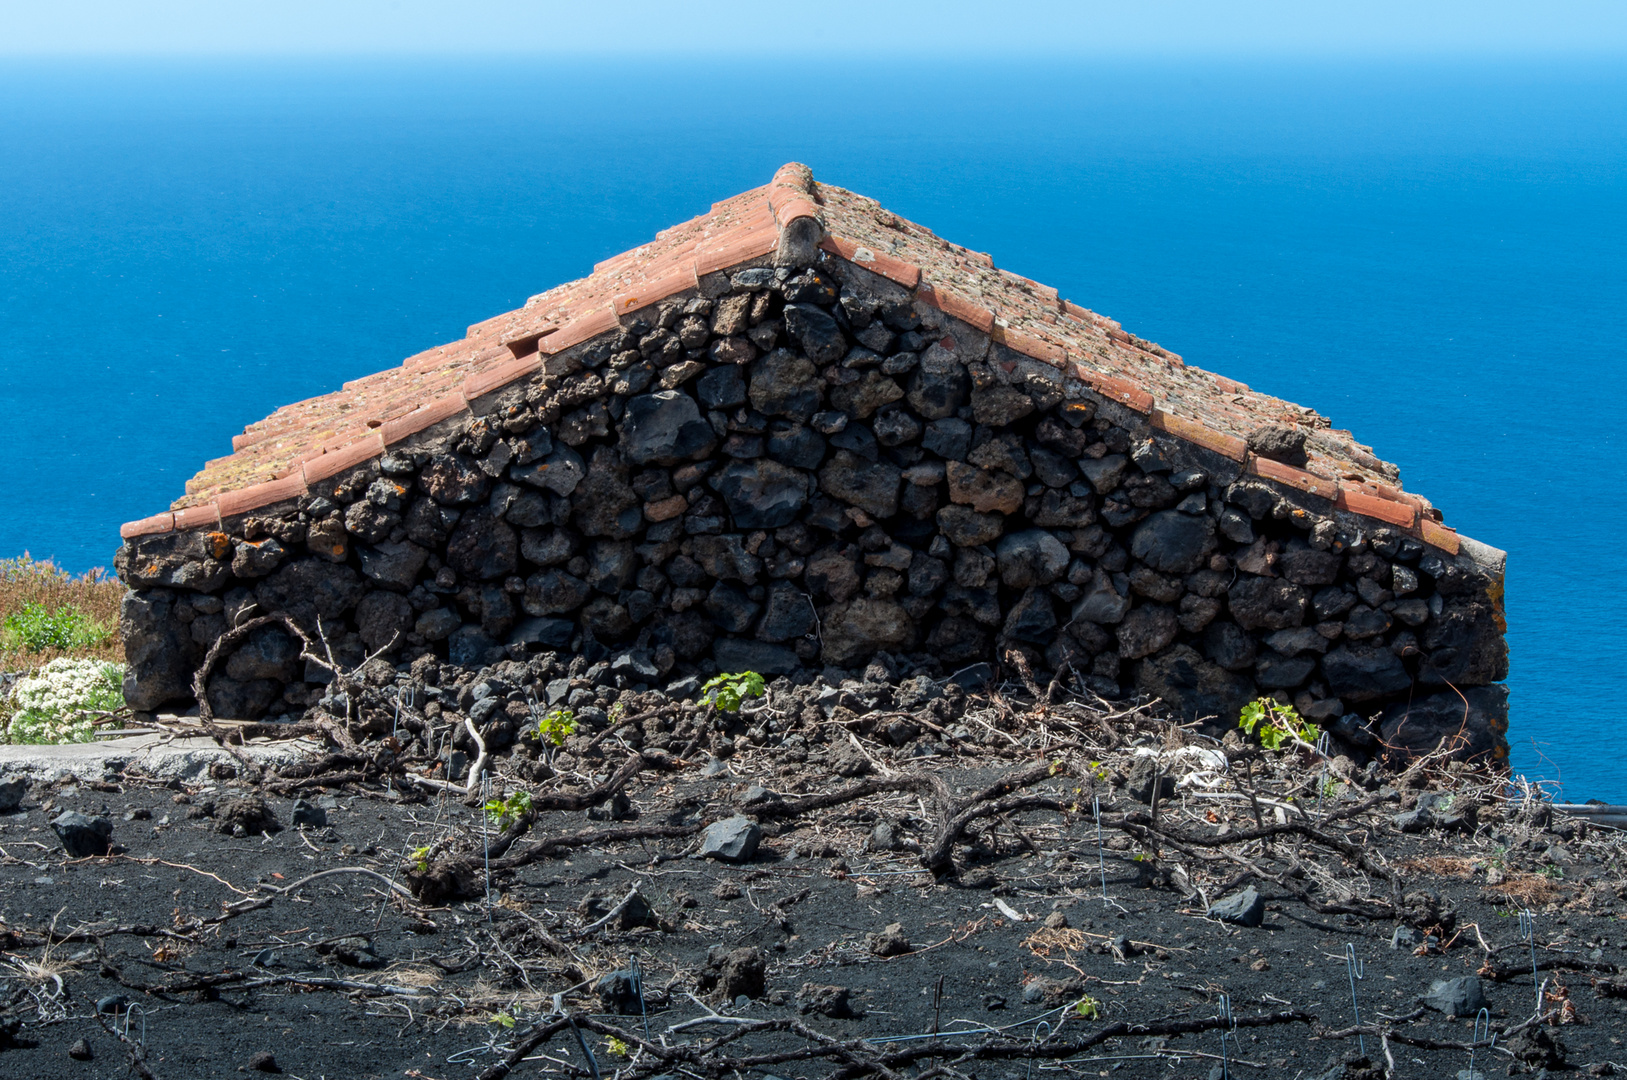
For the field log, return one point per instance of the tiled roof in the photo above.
(275, 458)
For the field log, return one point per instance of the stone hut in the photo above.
(799, 431)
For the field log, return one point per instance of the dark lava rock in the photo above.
(1031, 557)
(454, 480)
(762, 494)
(483, 546)
(1193, 686)
(82, 836)
(1245, 908)
(735, 973)
(732, 840)
(1266, 603)
(722, 387)
(1145, 631)
(864, 627)
(264, 1062)
(1173, 542)
(1364, 672)
(307, 815)
(1537, 1047)
(1279, 442)
(890, 942)
(665, 428)
(80, 1051)
(1139, 784)
(619, 993)
(1456, 997)
(1420, 726)
(833, 1001)
(817, 332)
(11, 794)
(246, 816)
(965, 527)
(871, 486)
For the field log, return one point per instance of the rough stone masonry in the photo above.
(798, 461)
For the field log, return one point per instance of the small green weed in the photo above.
(1276, 725)
(420, 860)
(505, 812)
(618, 1047)
(727, 691)
(1088, 1008)
(35, 628)
(504, 1019)
(556, 727)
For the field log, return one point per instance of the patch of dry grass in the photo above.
(1453, 866)
(26, 581)
(1527, 890)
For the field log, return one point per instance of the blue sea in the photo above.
(1434, 254)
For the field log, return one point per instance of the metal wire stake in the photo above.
(1101, 858)
(638, 984)
(1034, 1040)
(1356, 969)
(1324, 743)
(1528, 934)
(485, 841)
(1228, 1025)
(593, 1063)
(1482, 1028)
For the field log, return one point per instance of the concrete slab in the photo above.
(185, 759)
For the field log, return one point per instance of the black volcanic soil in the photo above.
(183, 939)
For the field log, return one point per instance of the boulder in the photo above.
(816, 331)
(871, 486)
(965, 527)
(269, 653)
(864, 627)
(394, 564)
(1194, 687)
(1030, 558)
(665, 428)
(1173, 542)
(1146, 630)
(1364, 672)
(158, 649)
(82, 836)
(1471, 726)
(984, 490)
(382, 619)
(310, 590)
(1456, 997)
(454, 480)
(1265, 603)
(559, 472)
(732, 840)
(1244, 908)
(762, 494)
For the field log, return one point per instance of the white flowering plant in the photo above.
(59, 703)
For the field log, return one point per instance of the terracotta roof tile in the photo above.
(310, 440)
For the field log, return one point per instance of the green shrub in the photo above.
(34, 628)
(727, 691)
(55, 705)
(1276, 725)
(557, 726)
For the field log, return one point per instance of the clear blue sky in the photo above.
(764, 28)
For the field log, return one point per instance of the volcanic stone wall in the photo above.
(797, 469)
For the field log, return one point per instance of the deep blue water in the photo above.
(1432, 255)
